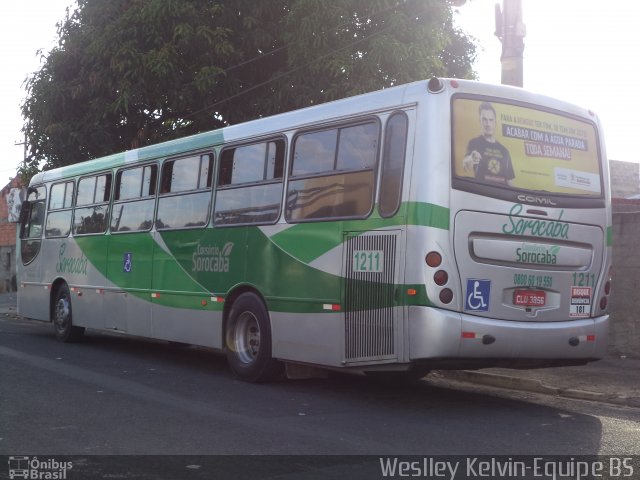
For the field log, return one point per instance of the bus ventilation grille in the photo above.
(369, 297)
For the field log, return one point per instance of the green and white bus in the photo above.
(441, 224)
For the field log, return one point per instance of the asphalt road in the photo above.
(115, 395)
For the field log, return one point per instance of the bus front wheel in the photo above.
(248, 340)
(62, 317)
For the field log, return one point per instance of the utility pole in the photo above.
(511, 31)
(25, 144)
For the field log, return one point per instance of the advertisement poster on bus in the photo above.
(511, 145)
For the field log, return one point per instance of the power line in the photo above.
(278, 77)
(283, 47)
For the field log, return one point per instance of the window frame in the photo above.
(231, 186)
(184, 193)
(329, 173)
(30, 245)
(153, 197)
(54, 211)
(66, 183)
(26, 216)
(94, 204)
(383, 157)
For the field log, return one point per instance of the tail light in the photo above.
(433, 259)
(446, 295)
(603, 303)
(441, 277)
(607, 290)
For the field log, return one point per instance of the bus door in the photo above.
(372, 313)
(32, 216)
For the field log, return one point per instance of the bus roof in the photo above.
(368, 103)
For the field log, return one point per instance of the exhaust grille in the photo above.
(369, 297)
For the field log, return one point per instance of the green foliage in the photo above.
(127, 73)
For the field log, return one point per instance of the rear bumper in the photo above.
(441, 334)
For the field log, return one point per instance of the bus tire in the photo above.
(248, 340)
(62, 317)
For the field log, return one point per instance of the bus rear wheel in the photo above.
(248, 340)
(62, 315)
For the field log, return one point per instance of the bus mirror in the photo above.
(24, 211)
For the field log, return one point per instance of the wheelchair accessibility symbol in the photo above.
(478, 293)
(127, 262)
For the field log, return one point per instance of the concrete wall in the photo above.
(625, 178)
(624, 336)
(8, 269)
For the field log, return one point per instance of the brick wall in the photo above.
(7, 233)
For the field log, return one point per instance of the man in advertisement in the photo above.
(488, 158)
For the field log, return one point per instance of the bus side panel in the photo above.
(33, 301)
(67, 261)
(310, 338)
(88, 307)
(291, 268)
(130, 269)
(288, 264)
(192, 271)
(190, 325)
(87, 295)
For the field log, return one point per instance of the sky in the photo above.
(28, 26)
(584, 52)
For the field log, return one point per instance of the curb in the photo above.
(8, 311)
(535, 386)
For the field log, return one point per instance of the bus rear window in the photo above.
(507, 145)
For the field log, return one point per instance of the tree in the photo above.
(127, 73)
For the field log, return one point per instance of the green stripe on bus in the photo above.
(428, 215)
(309, 241)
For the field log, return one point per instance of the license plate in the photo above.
(529, 298)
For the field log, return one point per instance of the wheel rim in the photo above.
(62, 314)
(247, 337)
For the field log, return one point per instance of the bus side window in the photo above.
(250, 184)
(185, 192)
(92, 204)
(392, 169)
(333, 173)
(134, 199)
(59, 217)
